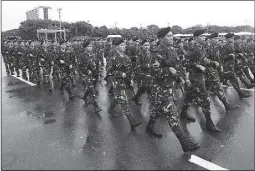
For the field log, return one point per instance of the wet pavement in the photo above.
(47, 131)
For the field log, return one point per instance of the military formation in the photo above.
(199, 66)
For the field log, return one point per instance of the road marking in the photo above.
(25, 81)
(204, 163)
(240, 88)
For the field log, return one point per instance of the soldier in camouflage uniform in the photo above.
(197, 93)
(5, 55)
(143, 65)
(164, 74)
(72, 56)
(241, 62)
(132, 51)
(89, 68)
(119, 67)
(229, 62)
(43, 64)
(32, 61)
(23, 63)
(11, 50)
(212, 79)
(16, 54)
(247, 51)
(64, 70)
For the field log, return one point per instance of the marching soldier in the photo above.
(197, 92)
(212, 79)
(64, 70)
(143, 66)
(164, 74)
(89, 68)
(228, 55)
(119, 67)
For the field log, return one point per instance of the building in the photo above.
(40, 12)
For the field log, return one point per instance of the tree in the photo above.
(176, 29)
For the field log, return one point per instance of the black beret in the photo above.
(135, 38)
(117, 41)
(9, 41)
(190, 39)
(237, 37)
(229, 35)
(86, 43)
(144, 41)
(199, 32)
(162, 32)
(42, 42)
(213, 35)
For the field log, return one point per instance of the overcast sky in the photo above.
(131, 13)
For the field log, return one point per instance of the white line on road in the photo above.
(240, 88)
(25, 81)
(205, 164)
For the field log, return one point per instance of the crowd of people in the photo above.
(198, 65)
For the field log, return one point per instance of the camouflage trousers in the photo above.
(90, 92)
(212, 83)
(241, 76)
(120, 97)
(197, 94)
(32, 72)
(162, 103)
(65, 83)
(144, 85)
(247, 73)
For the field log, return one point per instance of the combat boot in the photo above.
(133, 123)
(227, 105)
(250, 85)
(97, 108)
(136, 100)
(188, 145)
(209, 123)
(149, 128)
(243, 94)
(112, 112)
(184, 115)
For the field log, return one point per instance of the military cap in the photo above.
(144, 41)
(213, 35)
(86, 43)
(199, 32)
(190, 39)
(237, 37)
(229, 35)
(135, 38)
(42, 42)
(117, 41)
(162, 32)
(249, 40)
